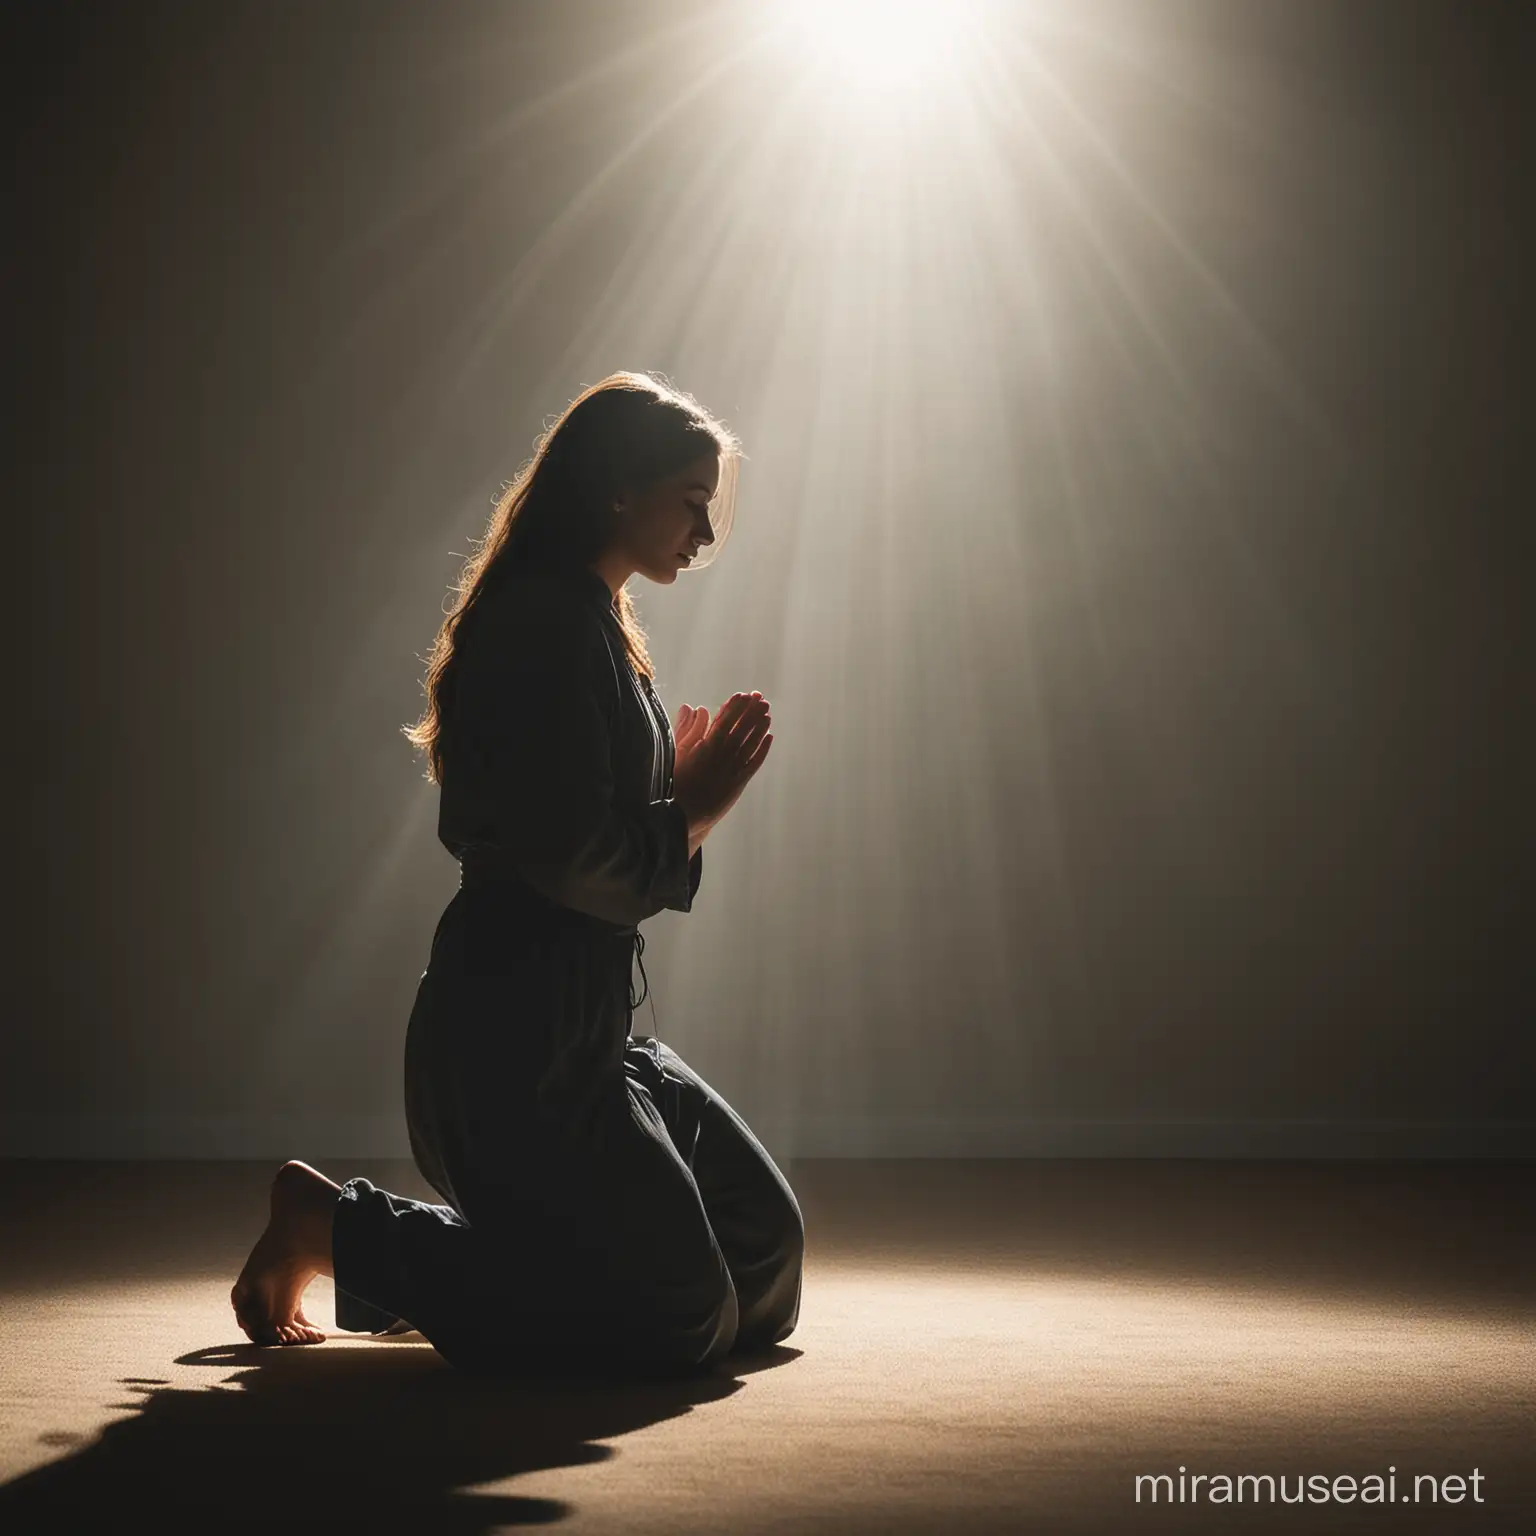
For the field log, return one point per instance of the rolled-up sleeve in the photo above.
(531, 768)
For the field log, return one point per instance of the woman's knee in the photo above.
(726, 1322)
(678, 1345)
(791, 1237)
(773, 1311)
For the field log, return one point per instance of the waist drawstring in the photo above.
(634, 1002)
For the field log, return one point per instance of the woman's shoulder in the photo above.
(533, 619)
(540, 598)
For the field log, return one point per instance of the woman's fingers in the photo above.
(750, 727)
(738, 731)
(755, 760)
(730, 710)
(756, 727)
(747, 719)
(725, 717)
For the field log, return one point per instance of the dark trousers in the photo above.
(606, 1209)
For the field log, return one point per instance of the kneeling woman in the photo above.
(604, 1207)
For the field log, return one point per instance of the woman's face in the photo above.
(661, 530)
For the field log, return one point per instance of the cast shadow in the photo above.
(350, 1435)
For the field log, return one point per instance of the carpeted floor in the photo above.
(983, 1346)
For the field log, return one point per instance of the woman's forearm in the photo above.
(698, 827)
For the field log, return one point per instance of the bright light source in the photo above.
(880, 43)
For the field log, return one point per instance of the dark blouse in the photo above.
(558, 757)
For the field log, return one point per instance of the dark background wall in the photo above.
(1141, 590)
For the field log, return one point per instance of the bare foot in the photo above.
(295, 1247)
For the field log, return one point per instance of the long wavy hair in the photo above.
(617, 437)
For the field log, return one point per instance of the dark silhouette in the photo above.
(604, 1208)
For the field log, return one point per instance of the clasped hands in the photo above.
(716, 758)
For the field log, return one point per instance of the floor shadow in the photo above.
(376, 1435)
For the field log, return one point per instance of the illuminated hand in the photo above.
(715, 759)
